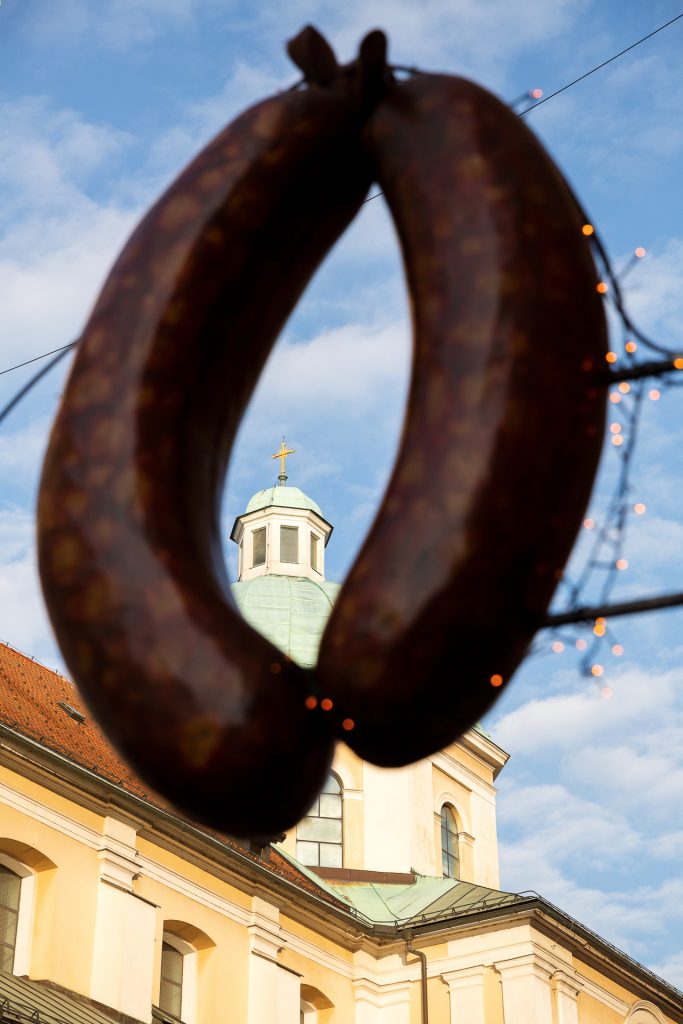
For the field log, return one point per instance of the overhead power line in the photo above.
(27, 362)
(376, 195)
(598, 67)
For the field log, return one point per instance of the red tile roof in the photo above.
(32, 699)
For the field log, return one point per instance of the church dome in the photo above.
(290, 611)
(284, 496)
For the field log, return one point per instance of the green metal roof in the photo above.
(426, 899)
(287, 497)
(24, 1000)
(290, 611)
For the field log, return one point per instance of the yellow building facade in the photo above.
(381, 907)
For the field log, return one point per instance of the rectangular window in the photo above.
(314, 552)
(258, 539)
(289, 543)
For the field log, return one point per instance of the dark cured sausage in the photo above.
(208, 712)
(503, 429)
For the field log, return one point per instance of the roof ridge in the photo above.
(34, 661)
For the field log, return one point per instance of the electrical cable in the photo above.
(416, 71)
(36, 358)
(599, 67)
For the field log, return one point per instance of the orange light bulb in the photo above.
(631, 346)
(639, 252)
(601, 287)
(621, 564)
(624, 387)
(617, 650)
(655, 395)
(611, 357)
(558, 646)
(639, 508)
(588, 230)
(496, 680)
(597, 670)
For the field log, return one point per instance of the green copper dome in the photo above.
(291, 611)
(287, 497)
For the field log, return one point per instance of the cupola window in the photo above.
(259, 546)
(319, 834)
(10, 889)
(289, 543)
(315, 540)
(450, 859)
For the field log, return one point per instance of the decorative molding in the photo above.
(118, 858)
(48, 816)
(200, 894)
(297, 944)
(568, 983)
(265, 930)
(603, 995)
(393, 993)
(465, 776)
(466, 977)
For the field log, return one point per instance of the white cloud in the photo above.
(119, 24)
(570, 721)
(24, 620)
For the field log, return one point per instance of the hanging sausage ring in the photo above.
(500, 443)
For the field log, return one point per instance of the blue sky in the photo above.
(101, 107)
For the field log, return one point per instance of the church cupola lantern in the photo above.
(282, 532)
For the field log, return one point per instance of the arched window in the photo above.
(184, 950)
(319, 834)
(450, 860)
(10, 891)
(171, 991)
(19, 868)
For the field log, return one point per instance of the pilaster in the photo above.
(527, 997)
(466, 993)
(566, 986)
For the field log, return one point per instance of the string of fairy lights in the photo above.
(574, 623)
(630, 382)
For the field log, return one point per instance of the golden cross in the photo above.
(282, 455)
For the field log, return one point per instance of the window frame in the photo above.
(451, 851)
(321, 842)
(254, 563)
(315, 552)
(27, 893)
(189, 988)
(295, 531)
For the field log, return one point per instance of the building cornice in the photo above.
(164, 828)
(485, 749)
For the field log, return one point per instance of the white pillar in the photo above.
(526, 990)
(125, 926)
(567, 987)
(274, 990)
(466, 992)
(382, 1004)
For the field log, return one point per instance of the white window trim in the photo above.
(188, 992)
(310, 1014)
(27, 899)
